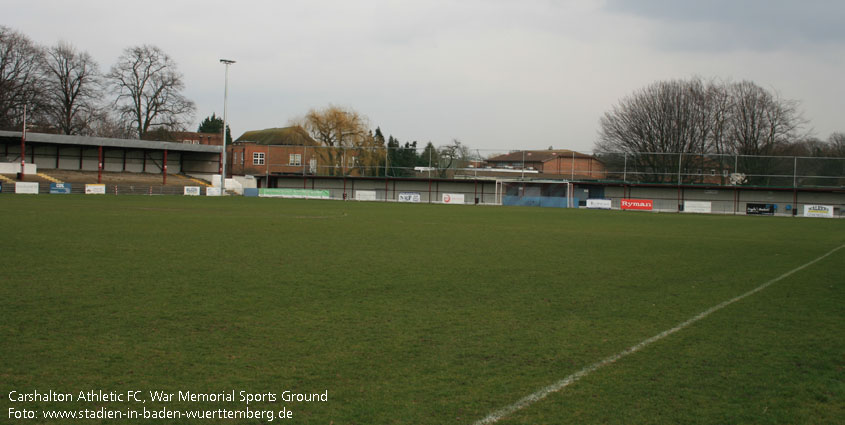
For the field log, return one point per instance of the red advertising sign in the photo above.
(637, 204)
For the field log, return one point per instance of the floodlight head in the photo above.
(227, 61)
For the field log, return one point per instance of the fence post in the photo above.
(736, 163)
(523, 165)
(99, 164)
(625, 169)
(680, 161)
(429, 172)
(164, 169)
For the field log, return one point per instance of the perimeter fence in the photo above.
(44, 188)
(626, 167)
(716, 169)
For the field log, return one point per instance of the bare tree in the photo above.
(451, 156)
(836, 145)
(20, 78)
(762, 125)
(760, 121)
(105, 124)
(149, 90)
(673, 126)
(664, 119)
(720, 104)
(73, 89)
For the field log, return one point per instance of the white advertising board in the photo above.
(409, 197)
(30, 188)
(192, 191)
(818, 211)
(95, 189)
(212, 191)
(12, 168)
(599, 204)
(703, 207)
(365, 195)
(453, 198)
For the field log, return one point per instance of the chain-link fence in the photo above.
(461, 162)
(714, 169)
(447, 162)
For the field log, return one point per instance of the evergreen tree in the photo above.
(430, 157)
(379, 137)
(402, 159)
(212, 125)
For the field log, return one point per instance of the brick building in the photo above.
(275, 152)
(551, 163)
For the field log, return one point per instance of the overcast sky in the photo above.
(497, 74)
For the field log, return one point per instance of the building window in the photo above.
(295, 159)
(258, 158)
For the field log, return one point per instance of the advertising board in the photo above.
(192, 191)
(295, 193)
(637, 204)
(409, 197)
(29, 188)
(95, 189)
(760, 209)
(702, 207)
(212, 191)
(365, 195)
(599, 204)
(818, 211)
(60, 188)
(453, 198)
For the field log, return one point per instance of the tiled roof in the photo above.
(537, 156)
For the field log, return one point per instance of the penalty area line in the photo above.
(569, 380)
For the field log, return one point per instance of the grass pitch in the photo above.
(418, 314)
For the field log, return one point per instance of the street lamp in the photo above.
(226, 62)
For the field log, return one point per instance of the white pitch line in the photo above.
(565, 382)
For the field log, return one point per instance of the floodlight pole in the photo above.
(226, 62)
(23, 145)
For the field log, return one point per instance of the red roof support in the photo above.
(164, 169)
(100, 164)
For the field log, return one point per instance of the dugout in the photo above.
(550, 194)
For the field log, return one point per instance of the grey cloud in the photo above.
(726, 24)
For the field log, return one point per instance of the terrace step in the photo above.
(198, 181)
(46, 177)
